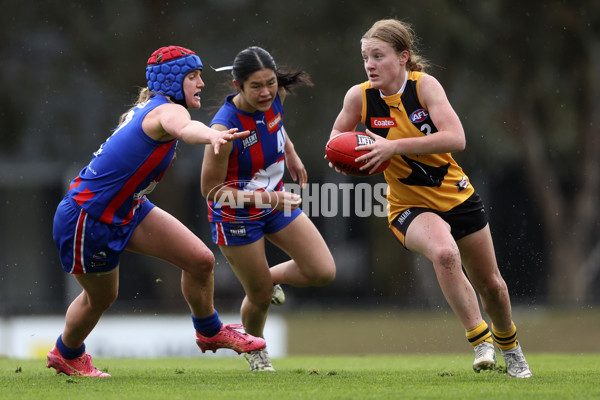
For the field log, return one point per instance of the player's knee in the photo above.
(101, 303)
(324, 274)
(112, 298)
(207, 261)
(261, 298)
(328, 274)
(201, 263)
(493, 288)
(446, 257)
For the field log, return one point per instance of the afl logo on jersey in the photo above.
(419, 115)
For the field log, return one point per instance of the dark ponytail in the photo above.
(255, 58)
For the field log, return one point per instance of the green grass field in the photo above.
(447, 376)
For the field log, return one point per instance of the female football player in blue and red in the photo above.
(106, 211)
(247, 202)
(433, 208)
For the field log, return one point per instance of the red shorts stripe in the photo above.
(221, 238)
(79, 242)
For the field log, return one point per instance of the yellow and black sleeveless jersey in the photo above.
(433, 181)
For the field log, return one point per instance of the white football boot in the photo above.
(485, 357)
(259, 360)
(516, 365)
(278, 296)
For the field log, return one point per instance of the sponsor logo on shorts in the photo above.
(239, 231)
(100, 255)
(403, 216)
(96, 264)
(98, 259)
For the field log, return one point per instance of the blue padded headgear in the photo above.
(167, 67)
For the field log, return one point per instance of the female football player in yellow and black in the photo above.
(433, 209)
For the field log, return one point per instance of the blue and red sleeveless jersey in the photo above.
(256, 162)
(125, 168)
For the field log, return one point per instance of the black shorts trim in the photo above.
(464, 219)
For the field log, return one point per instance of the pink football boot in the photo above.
(80, 366)
(230, 338)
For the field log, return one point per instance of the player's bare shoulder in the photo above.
(430, 90)
(354, 94)
(157, 121)
(353, 100)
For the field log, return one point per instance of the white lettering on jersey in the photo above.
(280, 141)
(266, 179)
(426, 129)
(122, 125)
(250, 140)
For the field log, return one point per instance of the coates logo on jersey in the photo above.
(419, 115)
(381, 122)
(273, 124)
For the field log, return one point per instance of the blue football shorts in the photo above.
(249, 231)
(86, 245)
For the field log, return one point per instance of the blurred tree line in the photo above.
(523, 78)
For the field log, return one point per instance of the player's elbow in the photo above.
(207, 183)
(205, 191)
(461, 144)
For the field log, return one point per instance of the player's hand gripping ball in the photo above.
(340, 152)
